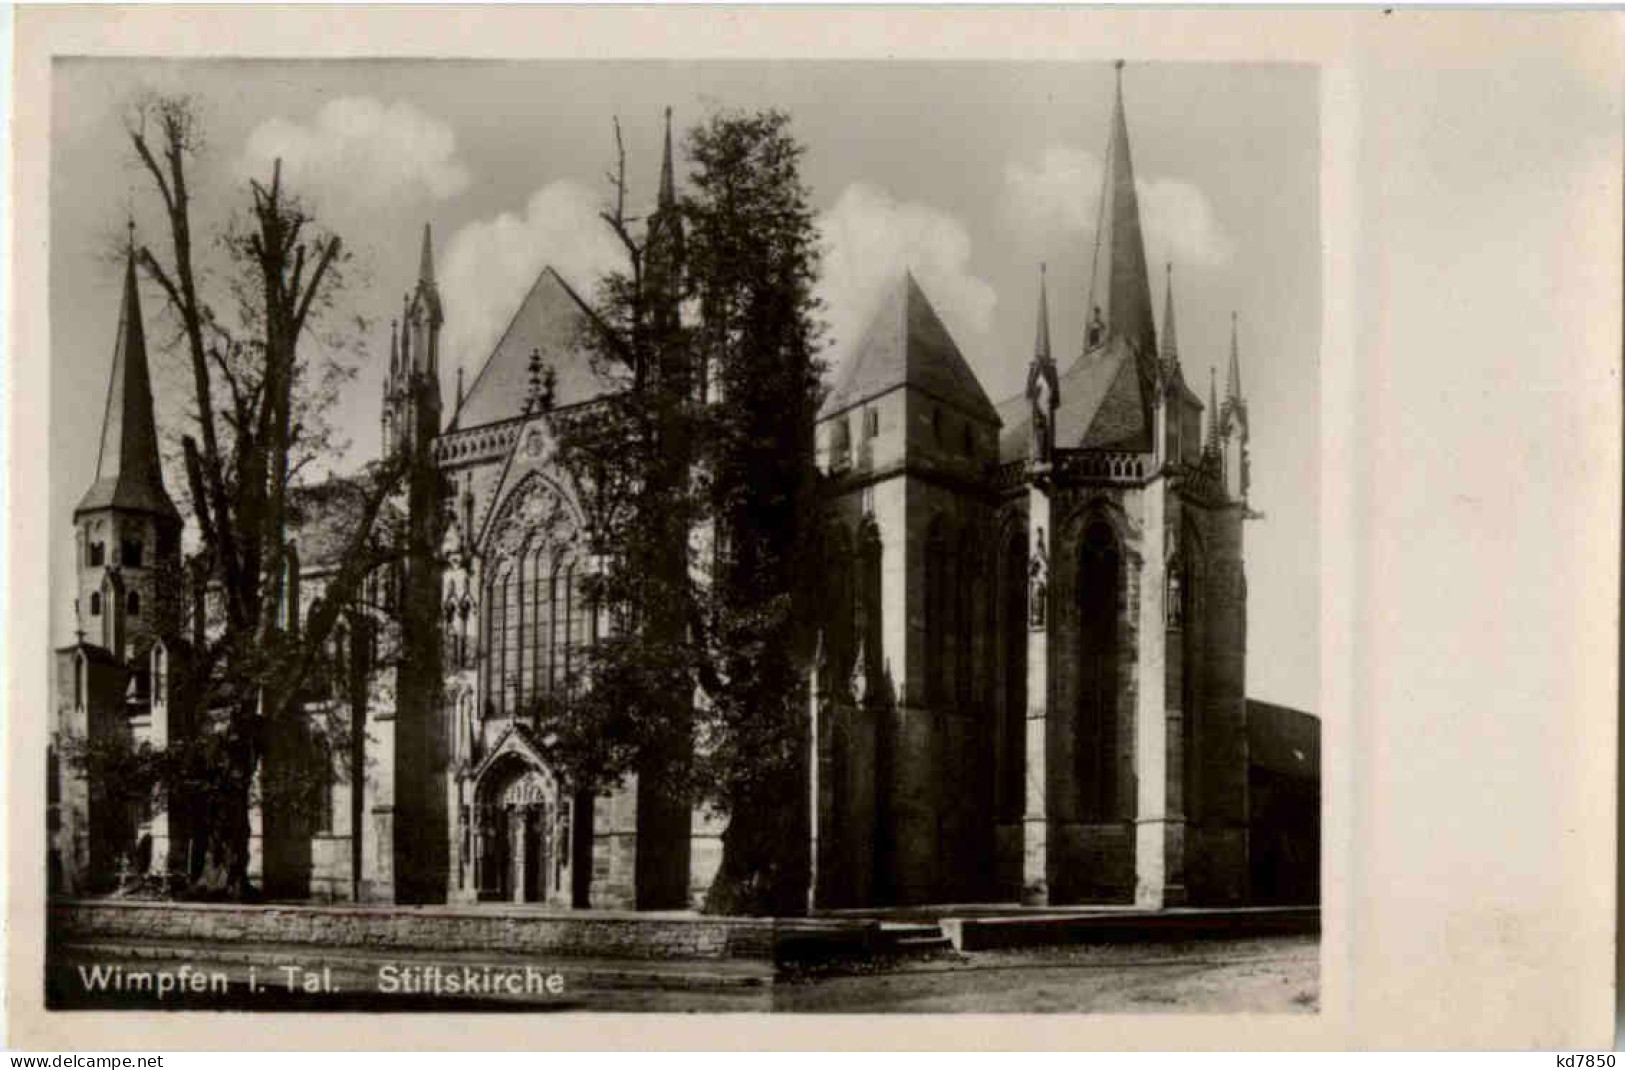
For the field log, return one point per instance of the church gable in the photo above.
(550, 320)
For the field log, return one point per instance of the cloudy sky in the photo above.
(970, 174)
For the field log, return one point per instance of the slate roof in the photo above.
(129, 474)
(906, 343)
(1103, 406)
(550, 319)
(322, 518)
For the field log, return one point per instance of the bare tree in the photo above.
(249, 396)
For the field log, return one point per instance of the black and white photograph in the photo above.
(804, 535)
(742, 535)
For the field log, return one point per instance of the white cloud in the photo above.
(870, 237)
(1062, 192)
(489, 265)
(359, 153)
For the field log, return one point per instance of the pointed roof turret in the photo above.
(427, 292)
(1212, 407)
(1119, 285)
(426, 258)
(907, 344)
(1170, 338)
(129, 473)
(668, 185)
(394, 350)
(1232, 385)
(1043, 387)
(1041, 346)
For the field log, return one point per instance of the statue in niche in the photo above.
(1097, 329)
(1038, 585)
(1176, 600)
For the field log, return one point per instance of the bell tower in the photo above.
(126, 527)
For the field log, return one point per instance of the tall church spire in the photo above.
(1212, 407)
(1041, 350)
(1232, 386)
(668, 185)
(426, 259)
(1120, 288)
(1170, 337)
(129, 473)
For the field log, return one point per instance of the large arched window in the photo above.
(939, 606)
(499, 642)
(1010, 790)
(1098, 743)
(1191, 638)
(866, 597)
(970, 599)
(841, 611)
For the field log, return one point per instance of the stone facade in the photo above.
(1031, 674)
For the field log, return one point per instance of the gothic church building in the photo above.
(1030, 681)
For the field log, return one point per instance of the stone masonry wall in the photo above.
(600, 935)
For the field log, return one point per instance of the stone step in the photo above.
(922, 945)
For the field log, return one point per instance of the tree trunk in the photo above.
(765, 856)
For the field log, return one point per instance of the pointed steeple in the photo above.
(668, 185)
(426, 259)
(394, 350)
(129, 473)
(1212, 407)
(406, 331)
(1041, 351)
(1170, 337)
(1120, 287)
(1232, 385)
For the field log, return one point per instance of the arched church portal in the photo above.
(521, 834)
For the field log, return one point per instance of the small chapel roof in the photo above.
(550, 320)
(906, 343)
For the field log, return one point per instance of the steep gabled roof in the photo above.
(129, 474)
(550, 319)
(906, 343)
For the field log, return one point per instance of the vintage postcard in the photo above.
(647, 530)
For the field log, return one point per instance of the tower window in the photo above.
(95, 603)
(840, 444)
(871, 423)
(130, 552)
(98, 553)
(132, 604)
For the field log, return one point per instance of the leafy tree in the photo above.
(700, 482)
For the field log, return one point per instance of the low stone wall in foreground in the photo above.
(598, 934)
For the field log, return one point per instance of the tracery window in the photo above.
(537, 617)
(939, 612)
(1011, 787)
(1097, 744)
